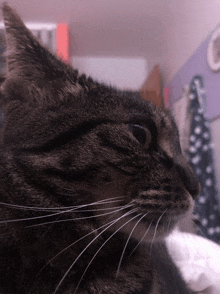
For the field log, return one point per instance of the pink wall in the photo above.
(164, 32)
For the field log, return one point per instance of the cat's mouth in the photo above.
(150, 226)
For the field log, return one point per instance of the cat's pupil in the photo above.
(142, 134)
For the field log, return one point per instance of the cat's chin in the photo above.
(150, 232)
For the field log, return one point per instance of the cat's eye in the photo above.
(142, 134)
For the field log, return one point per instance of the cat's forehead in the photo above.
(147, 111)
(51, 96)
(126, 107)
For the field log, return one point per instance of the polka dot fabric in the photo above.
(201, 160)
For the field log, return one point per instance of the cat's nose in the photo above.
(190, 181)
(194, 189)
(189, 178)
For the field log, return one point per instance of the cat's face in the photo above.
(73, 141)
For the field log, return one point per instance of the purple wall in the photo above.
(197, 65)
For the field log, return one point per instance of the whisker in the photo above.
(84, 217)
(70, 209)
(104, 201)
(97, 209)
(81, 218)
(101, 248)
(126, 244)
(169, 223)
(35, 217)
(141, 239)
(72, 244)
(47, 231)
(200, 230)
(112, 223)
(155, 231)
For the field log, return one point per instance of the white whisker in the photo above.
(101, 248)
(35, 217)
(155, 231)
(141, 239)
(112, 223)
(15, 206)
(168, 226)
(200, 230)
(123, 252)
(104, 201)
(69, 209)
(82, 218)
(72, 244)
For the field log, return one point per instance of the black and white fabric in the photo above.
(201, 160)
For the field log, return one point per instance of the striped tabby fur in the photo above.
(92, 179)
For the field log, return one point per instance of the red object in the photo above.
(166, 96)
(62, 42)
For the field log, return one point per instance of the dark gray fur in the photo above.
(67, 144)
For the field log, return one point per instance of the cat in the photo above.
(92, 180)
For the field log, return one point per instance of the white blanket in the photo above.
(198, 260)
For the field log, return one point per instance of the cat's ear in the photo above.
(33, 73)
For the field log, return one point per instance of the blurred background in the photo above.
(164, 32)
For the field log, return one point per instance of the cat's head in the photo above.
(72, 141)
